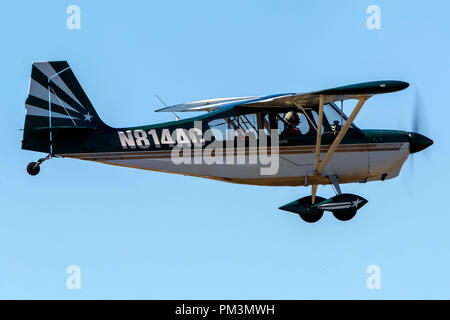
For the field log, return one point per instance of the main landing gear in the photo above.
(33, 168)
(345, 214)
(310, 214)
(344, 207)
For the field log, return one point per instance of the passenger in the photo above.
(291, 129)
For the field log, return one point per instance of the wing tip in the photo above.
(370, 88)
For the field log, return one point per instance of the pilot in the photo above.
(291, 129)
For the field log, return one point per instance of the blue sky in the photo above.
(147, 235)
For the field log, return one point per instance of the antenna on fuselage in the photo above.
(176, 116)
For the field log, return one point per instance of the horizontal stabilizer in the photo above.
(65, 128)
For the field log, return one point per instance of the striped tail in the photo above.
(58, 113)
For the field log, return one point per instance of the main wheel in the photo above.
(313, 214)
(311, 217)
(345, 215)
(33, 168)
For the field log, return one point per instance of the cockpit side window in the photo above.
(235, 127)
(316, 119)
(335, 118)
(241, 126)
(304, 126)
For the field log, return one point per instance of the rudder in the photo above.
(58, 111)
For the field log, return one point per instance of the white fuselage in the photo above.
(350, 163)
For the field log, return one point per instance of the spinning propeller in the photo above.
(417, 141)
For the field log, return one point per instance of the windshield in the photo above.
(334, 116)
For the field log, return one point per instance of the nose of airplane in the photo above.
(418, 142)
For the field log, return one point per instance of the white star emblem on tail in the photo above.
(87, 117)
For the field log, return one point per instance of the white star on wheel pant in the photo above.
(356, 203)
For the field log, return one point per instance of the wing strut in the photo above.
(318, 168)
(340, 135)
(300, 107)
(319, 133)
(318, 142)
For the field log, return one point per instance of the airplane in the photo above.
(244, 140)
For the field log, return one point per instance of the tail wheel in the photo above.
(312, 214)
(33, 168)
(345, 215)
